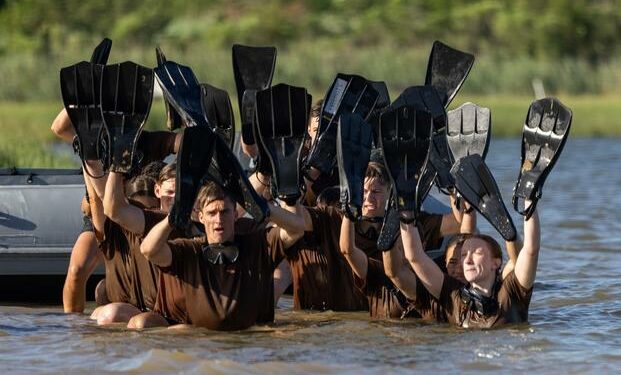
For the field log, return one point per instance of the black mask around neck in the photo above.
(220, 253)
(477, 302)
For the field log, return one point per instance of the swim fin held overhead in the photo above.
(469, 130)
(405, 136)
(348, 93)
(102, 52)
(475, 183)
(80, 86)
(390, 225)
(182, 90)
(353, 150)
(282, 113)
(173, 120)
(219, 112)
(193, 161)
(447, 69)
(545, 132)
(253, 68)
(427, 98)
(126, 95)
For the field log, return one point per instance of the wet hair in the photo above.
(167, 173)
(329, 197)
(143, 184)
(492, 244)
(378, 171)
(153, 169)
(316, 108)
(210, 192)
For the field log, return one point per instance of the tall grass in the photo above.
(313, 64)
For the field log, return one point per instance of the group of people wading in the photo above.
(331, 203)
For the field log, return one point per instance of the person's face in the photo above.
(454, 263)
(219, 217)
(166, 194)
(477, 261)
(313, 127)
(375, 195)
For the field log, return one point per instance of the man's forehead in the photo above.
(374, 183)
(168, 183)
(218, 204)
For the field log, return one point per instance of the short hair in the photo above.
(210, 192)
(329, 197)
(494, 246)
(140, 185)
(378, 171)
(316, 108)
(153, 169)
(167, 173)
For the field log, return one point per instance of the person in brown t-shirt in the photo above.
(224, 280)
(131, 281)
(385, 300)
(323, 277)
(488, 300)
(84, 255)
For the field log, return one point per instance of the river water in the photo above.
(575, 314)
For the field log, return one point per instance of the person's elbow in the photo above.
(148, 250)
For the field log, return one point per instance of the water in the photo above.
(575, 314)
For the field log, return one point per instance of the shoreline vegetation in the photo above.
(27, 141)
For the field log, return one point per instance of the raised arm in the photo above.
(155, 247)
(118, 208)
(427, 271)
(290, 222)
(62, 127)
(398, 271)
(526, 263)
(356, 258)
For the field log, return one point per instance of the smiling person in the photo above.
(488, 300)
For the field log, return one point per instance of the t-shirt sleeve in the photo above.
(113, 239)
(516, 292)
(325, 220)
(151, 218)
(275, 245)
(375, 275)
(182, 250)
(429, 230)
(156, 145)
(450, 297)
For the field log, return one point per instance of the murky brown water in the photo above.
(575, 315)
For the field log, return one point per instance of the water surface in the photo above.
(575, 314)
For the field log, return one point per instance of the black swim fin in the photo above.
(182, 90)
(427, 98)
(102, 52)
(253, 68)
(390, 225)
(348, 93)
(193, 161)
(353, 149)
(126, 95)
(80, 85)
(447, 69)
(219, 112)
(545, 132)
(383, 102)
(405, 136)
(282, 113)
(469, 130)
(475, 183)
(226, 171)
(173, 120)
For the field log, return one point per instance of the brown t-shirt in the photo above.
(513, 301)
(130, 277)
(386, 301)
(156, 145)
(219, 296)
(322, 278)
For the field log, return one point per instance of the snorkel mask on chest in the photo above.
(477, 302)
(220, 253)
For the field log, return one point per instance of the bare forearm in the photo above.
(356, 258)
(428, 272)
(397, 270)
(155, 244)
